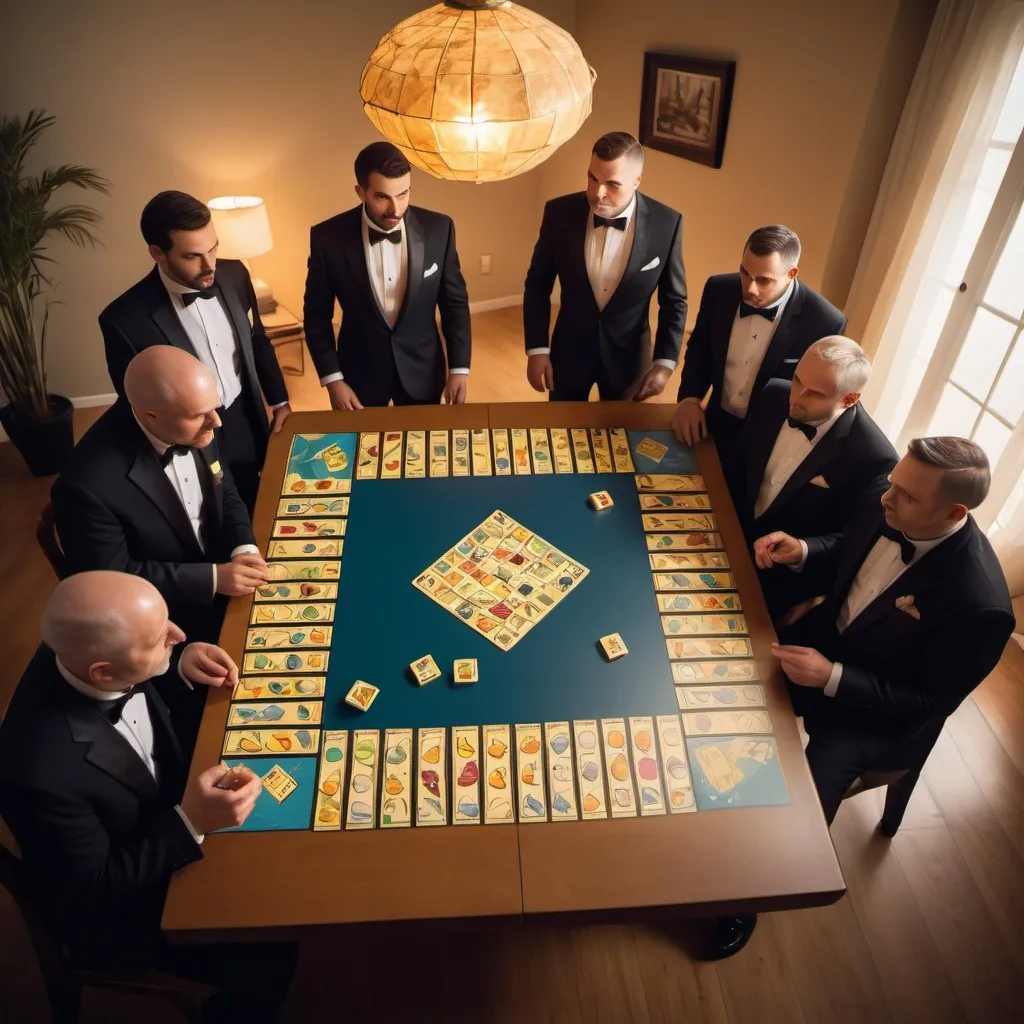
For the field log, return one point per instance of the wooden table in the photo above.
(765, 858)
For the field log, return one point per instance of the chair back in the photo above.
(46, 534)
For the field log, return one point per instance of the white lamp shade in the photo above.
(243, 228)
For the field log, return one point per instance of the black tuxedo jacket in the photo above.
(116, 509)
(904, 674)
(368, 351)
(612, 345)
(144, 316)
(99, 836)
(850, 458)
(806, 318)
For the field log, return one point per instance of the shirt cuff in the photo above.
(279, 404)
(538, 351)
(245, 549)
(181, 675)
(331, 378)
(188, 824)
(799, 567)
(833, 679)
(459, 369)
(670, 363)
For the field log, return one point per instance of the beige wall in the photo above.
(262, 97)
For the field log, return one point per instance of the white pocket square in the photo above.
(819, 481)
(432, 270)
(656, 262)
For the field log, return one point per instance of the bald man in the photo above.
(146, 492)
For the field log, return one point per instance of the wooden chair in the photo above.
(46, 534)
(899, 789)
(64, 983)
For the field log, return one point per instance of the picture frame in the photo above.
(684, 106)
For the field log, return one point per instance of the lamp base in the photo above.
(265, 301)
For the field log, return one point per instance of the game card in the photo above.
(251, 688)
(668, 482)
(502, 452)
(726, 723)
(620, 777)
(558, 750)
(602, 450)
(330, 506)
(293, 485)
(589, 771)
(308, 528)
(672, 560)
(714, 672)
(280, 572)
(581, 449)
(694, 581)
(663, 502)
(362, 785)
(391, 455)
(279, 784)
(460, 453)
(480, 442)
(520, 451)
(271, 741)
(396, 791)
(561, 450)
(696, 698)
(330, 784)
(682, 541)
(672, 521)
(653, 450)
(530, 800)
(288, 712)
(415, 454)
(314, 548)
(620, 451)
(675, 768)
(708, 648)
(290, 591)
(496, 741)
(368, 460)
(431, 784)
(277, 663)
(438, 453)
(292, 614)
(697, 601)
(466, 763)
(645, 765)
(541, 448)
(702, 625)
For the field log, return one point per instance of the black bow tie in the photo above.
(619, 223)
(808, 430)
(395, 237)
(188, 298)
(172, 450)
(907, 547)
(111, 710)
(768, 314)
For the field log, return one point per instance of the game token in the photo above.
(652, 449)
(613, 646)
(601, 499)
(425, 670)
(362, 695)
(279, 784)
(465, 670)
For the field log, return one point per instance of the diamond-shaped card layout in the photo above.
(501, 579)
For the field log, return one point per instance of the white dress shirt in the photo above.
(790, 450)
(134, 725)
(388, 267)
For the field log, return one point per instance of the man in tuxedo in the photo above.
(206, 307)
(751, 326)
(611, 248)
(93, 783)
(145, 492)
(917, 614)
(808, 453)
(390, 266)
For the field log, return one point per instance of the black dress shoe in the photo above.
(729, 936)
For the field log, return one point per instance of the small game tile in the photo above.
(425, 670)
(600, 500)
(465, 670)
(613, 646)
(362, 695)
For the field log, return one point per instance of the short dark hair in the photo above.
(172, 211)
(615, 144)
(776, 238)
(966, 477)
(381, 158)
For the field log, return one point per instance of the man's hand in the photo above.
(803, 665)
(539, 373)
(777, 549)
(208, 664)
(281, 413)
(689, 423)
(456, 389)
(221, 797)
(342, 396)
(241, 576)
(651, 383)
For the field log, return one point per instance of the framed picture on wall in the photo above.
(684, 107)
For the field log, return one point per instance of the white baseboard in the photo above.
(84, 402)
(486, 305)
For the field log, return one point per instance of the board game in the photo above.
(480, 627)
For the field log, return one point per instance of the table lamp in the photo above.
(243, 231)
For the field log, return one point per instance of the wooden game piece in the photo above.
(425, 670)
(600, 500)
(362, 695)
(613, 646)
(465, 671)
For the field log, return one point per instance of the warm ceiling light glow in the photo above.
(477, 90)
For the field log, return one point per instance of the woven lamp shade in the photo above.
(474, 90)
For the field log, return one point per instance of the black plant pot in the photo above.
(44, 444)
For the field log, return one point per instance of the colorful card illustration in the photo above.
(391, 455)
(714, 672)
(703, 625)
(279, 572)
(696, 698)
(438, 443)
(581, 449)
(415, 454)
(675, 770)
(294, 528)
(708, 648)
(330, 784)
(602, 450)
(665, 502)
(502, 452)
(520, 451)
(530, 798)
(698, 601)
(279, 784)
(683, 541)
(431, 784)
(622, 798)
(293, 485)
(480, 443)
(362, 783)
(498, 784)
(277, 663)
(288, 508)
(645, 765)
(297, 635)
(670, 482)
(318, 548)
(252, 688)
(466, 760)
(305, 591)
(319, 463)
(271, 741)
(589, 745)
(558, 751)
(653, 450)
(619, 440)
(726, 723)
(694, 581)
(368, 461)
(396, 790)
(287, 712)
(460, 453)
(736, 771)
(678, 521)
(672, 560)
(561, 450)
(540, 446)
(292, 614)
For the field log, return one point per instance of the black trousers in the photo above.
(581, 393)
(245, 445)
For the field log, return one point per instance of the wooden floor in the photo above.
(930, 931)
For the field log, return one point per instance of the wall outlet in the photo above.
(485, 263)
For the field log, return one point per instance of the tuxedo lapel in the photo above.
(213, 496)
(163, 315)
(638, 254)
(243, 329)
(575, 239)
(167, 750)
(416, 244)
(724, 316)
(352, 244)
(779, 345)
(762, 445)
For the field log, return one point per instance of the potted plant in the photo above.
(39, 424)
